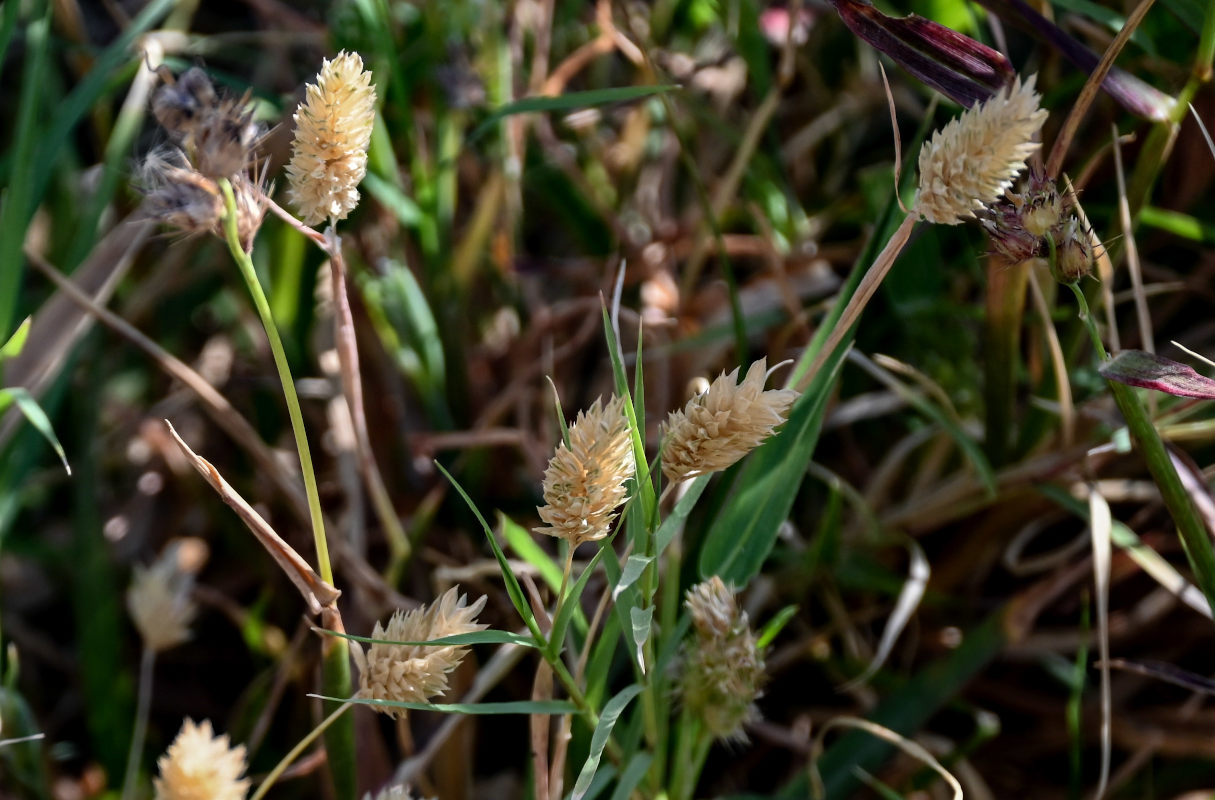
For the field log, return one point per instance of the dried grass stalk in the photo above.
(973, 159)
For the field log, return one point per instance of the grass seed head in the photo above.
(721, 425)
(159, 601)
(722, 668)
(332, 132)
(584, 483)
(407, 673)
(974, 158)
(201, 766)
(392, 792)
(1073, 251)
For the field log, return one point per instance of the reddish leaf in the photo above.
(957, 66)
(1148, 371)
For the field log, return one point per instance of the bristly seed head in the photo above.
(201, 766)
(159, 600)
(584, 483)
(973, 159)
(332, 132)
(407, 673)
(725, 423)
(722, 670)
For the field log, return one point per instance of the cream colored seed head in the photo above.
(332, 132)
(392, 792)
(720, 426)
(407, 673)
(972, 160)
(201, 766)
(584, 483)
(159, 601)
(723, 668)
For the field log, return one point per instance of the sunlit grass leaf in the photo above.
(774, 626)
(16, 343)
(599, 739)
(674, 520)
(645, 486)
(513, 590)
(476, 637)
(521, 540)
(631, 572)
(36, 416)
(407, 212)
(641, 619)
(570, 101)
(510, 707)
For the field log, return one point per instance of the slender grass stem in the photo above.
(299, 748)
(1006, 284)
(245, 263)
(1195, 539)
(142, 705)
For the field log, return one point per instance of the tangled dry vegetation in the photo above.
(552, 399)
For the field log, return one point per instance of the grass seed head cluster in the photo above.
(974, 158)
(723, 670)
(201, 766)
(584, 483)
(408, 673)
(721, 425)
(332, 133)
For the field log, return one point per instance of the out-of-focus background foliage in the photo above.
(735, 205)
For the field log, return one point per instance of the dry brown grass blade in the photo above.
(1092, 86)
(1067, 409)
(352, 388)
(60, 322)
(317, 593)
(540, 725)
(1146, 340)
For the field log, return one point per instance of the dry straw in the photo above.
(159, 601)
(973, 159)
(721, 425)
(413, 673)
(584, 483)
(723, 669)
(332, 132)
(201, 766)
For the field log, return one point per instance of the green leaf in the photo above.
(37, 417)
(638, 765)
(632, 571)
(523, 543)
(645, 486)
(12, 348)
(407, 212)
(641, 619)
(476, 637)
(570, 101)
(510, 707)
(774, 626)
(513, 590)
(599, 739)
(671, 525)
(571, 608)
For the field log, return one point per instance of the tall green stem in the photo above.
(1195, 539)
(299, 748)
(247, 271)
(143, 704)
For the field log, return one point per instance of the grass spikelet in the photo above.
(974, 158)
(721, 425)
(159, 601)
(584, 483)
(201, 766)
(723, 669)
(332, 132)
(408, 673)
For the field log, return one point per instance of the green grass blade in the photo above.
(645, 486)
(671, 525)
(572, 609)
(524, 544)
(636, 769)
(607, 720)
(38, 418)
(570, 101)
(513, 590)
(16, 343)
(19, 195)
(775, 625)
